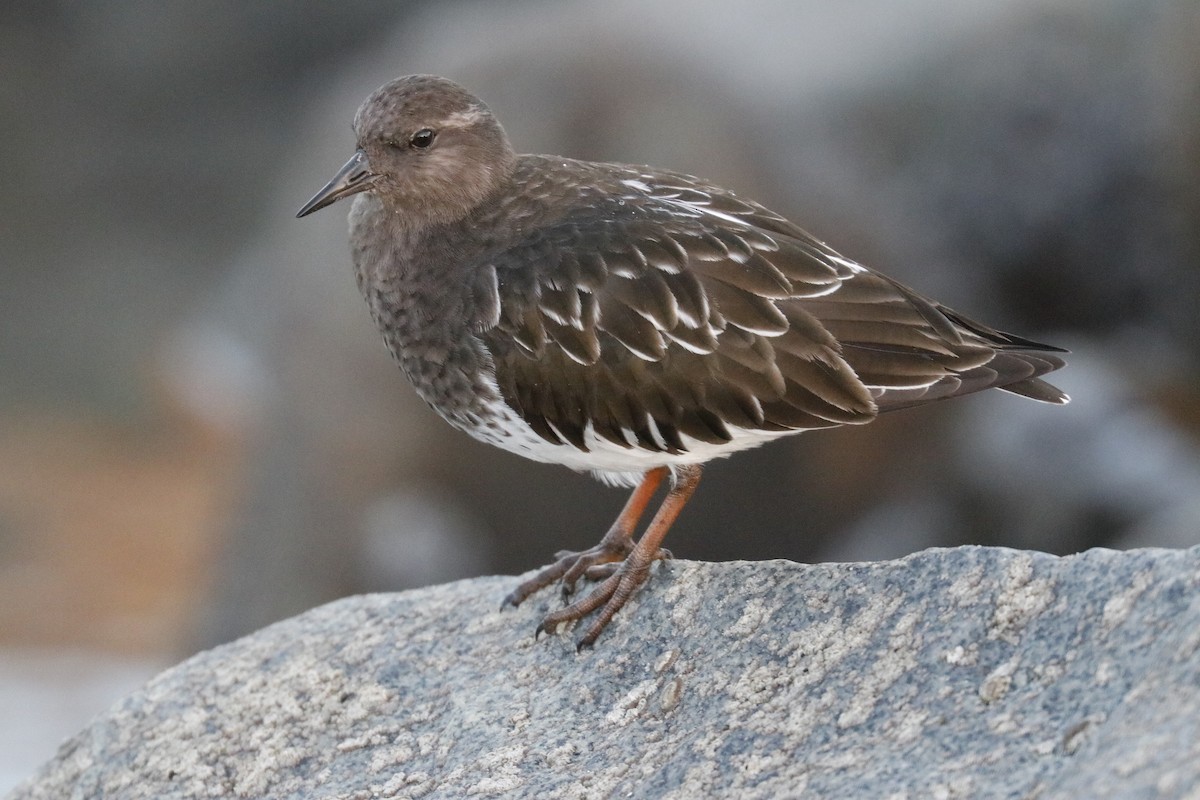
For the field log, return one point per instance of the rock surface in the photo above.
(973, 672)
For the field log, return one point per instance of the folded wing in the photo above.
(661, 312)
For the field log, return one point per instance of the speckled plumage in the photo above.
(631, 321)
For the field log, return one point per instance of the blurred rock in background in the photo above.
(200, 432)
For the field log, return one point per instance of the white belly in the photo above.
(611, 463)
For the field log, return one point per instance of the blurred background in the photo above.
(200, 432)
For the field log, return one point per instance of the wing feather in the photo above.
(665, 312)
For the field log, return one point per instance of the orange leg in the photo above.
(616, 590)
(615, 545)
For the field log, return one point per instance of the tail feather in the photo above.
(1038, 389)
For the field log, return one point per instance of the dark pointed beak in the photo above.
(354, 177)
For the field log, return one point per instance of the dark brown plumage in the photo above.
(627, 320)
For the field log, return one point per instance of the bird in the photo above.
(627, 321)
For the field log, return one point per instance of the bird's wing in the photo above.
(661, 311)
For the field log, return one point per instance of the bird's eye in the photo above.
(422, 139)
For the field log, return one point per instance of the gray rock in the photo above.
(972, 672)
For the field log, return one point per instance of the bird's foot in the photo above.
(600, 572)
(596, 563)
(610, 596)
(617, 562)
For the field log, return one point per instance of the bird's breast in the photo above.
(420, 303)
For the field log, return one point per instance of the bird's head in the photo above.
(427, 148)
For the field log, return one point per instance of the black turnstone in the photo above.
(627, 320)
